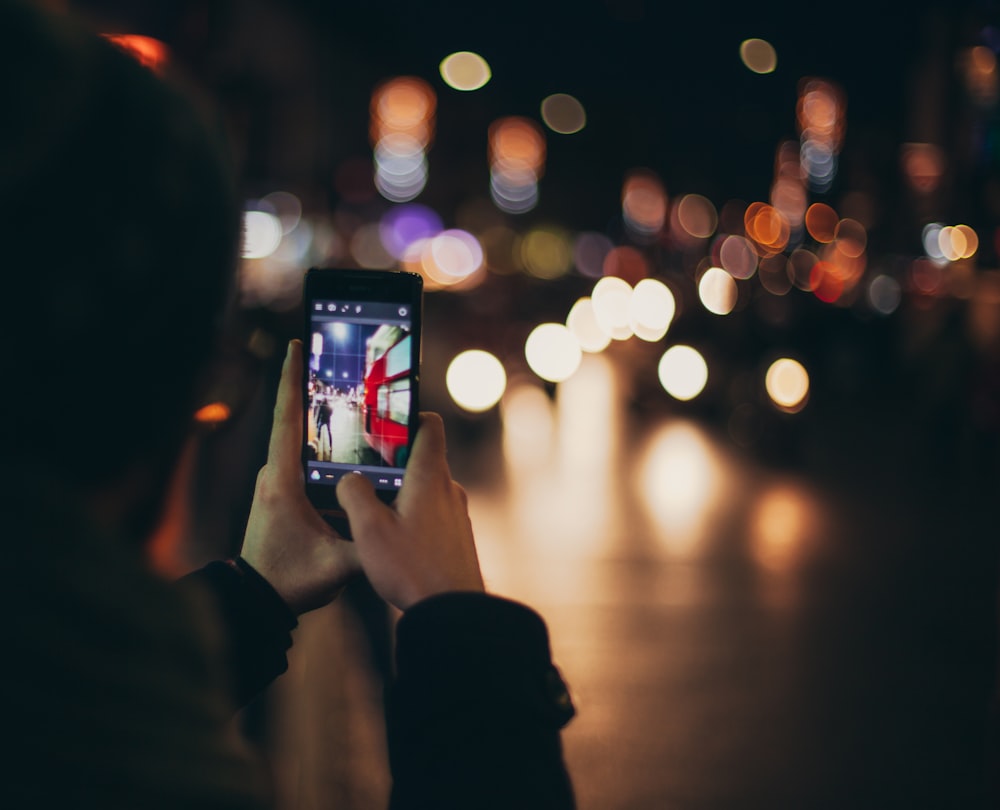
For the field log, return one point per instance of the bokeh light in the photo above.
(516, 145)
(651, 309)
(404, 105)
(514, 192)
(971, 241)
(589, 252)
(767, 227)
(788, 193)
(517, 160)
(644, 203)
(465, 71)
(627, 263)
(552, 352)
(927, 276)
(452, 256)
(683, 372)
(400, 167)
(851, 238)
(884, 294)
(932, 240)
(402, 115)
(563, 113)
(148, 51)
(957, 242)
(982, 82)
(476, 380)
(213, 413)
(697, 216)
(582, 322)
(826, 281)
(821, 222)
(923, 166)
(820, 113)
(261, 234)
(612, 301)
(717, 291)
(402, 225)
(546, 253)
(296, 245)
(738, 257)
(800, 266)
(758, 55)
(286, 207)
(787, 384)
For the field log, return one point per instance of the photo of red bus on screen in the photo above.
(386, 402)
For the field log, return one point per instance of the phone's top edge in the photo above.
(361, 271)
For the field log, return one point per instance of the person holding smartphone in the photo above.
(117, 688)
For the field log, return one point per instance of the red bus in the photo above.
(386, 403)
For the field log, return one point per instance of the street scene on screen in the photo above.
(359, 393)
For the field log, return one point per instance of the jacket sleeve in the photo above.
(256, 623)
(475, 712)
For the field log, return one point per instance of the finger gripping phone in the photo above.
(361, 381)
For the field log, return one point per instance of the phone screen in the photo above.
(360, 389)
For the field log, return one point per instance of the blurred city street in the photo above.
(712, 313)
(733, 636)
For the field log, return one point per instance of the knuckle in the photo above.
(265, 489)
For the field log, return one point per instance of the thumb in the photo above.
(364, 510)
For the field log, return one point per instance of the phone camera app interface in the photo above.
(359, 391)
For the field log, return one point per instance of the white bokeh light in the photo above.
(651, 309)
(612, 299)
(717, 291)
(582, 322)
(261, 234)
(683, 372)
(552, 352)
(476, 380)
(787, 384)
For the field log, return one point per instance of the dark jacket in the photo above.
(114, 694)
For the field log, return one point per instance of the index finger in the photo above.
(284, 452)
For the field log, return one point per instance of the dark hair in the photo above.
(118, 235)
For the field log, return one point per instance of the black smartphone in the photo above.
(362, 376)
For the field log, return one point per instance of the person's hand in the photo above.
(286, 540)
(422, 545)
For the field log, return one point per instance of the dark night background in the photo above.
(872, 684)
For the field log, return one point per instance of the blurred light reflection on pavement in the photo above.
(725, 645)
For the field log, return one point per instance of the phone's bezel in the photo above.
(359, 285)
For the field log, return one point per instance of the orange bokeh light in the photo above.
(150, 52)
(836, 273)
(821, 222)
(405, 105)
(851, 238)
(820, 112)
(213, 414)
(517, 145)
(767, 227)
